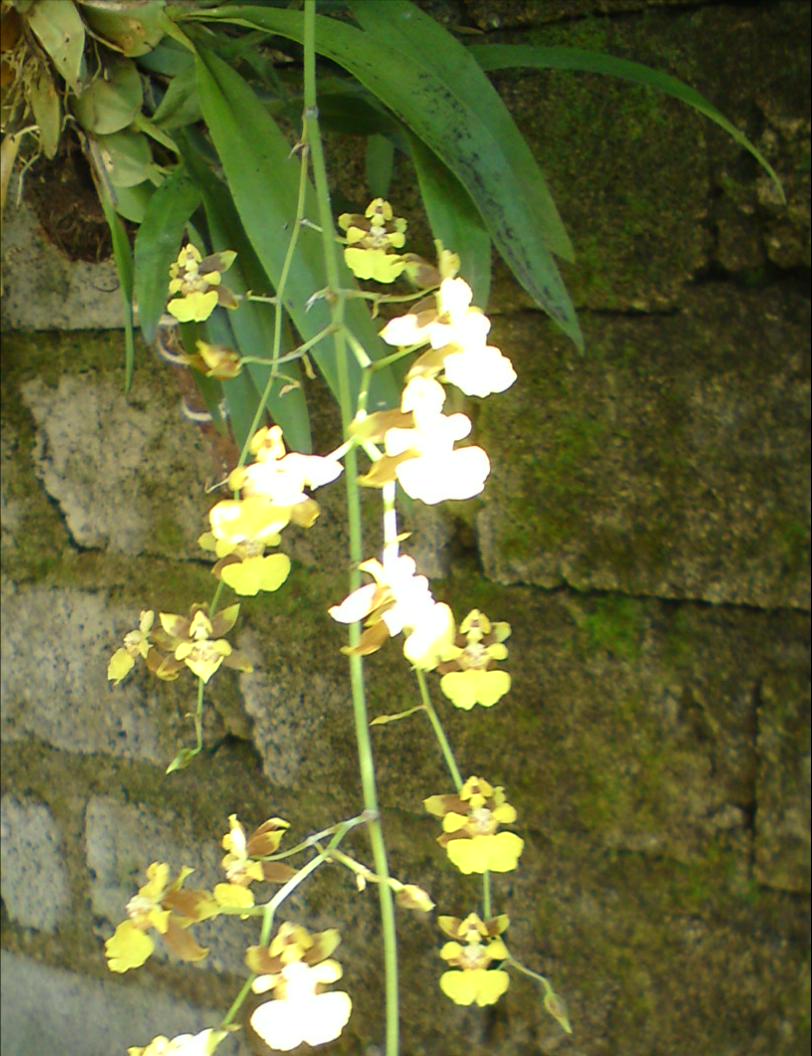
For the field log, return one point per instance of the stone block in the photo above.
(670, 460)
(783, 789)
(126, 475)
(121, 840)
(49, 1011)
(43, 289)
(35, 882)
(56, 646)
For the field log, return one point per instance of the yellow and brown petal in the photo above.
(136, 643)
(378, 228)
(471, 822)
(473, 928)
(480, 986)
(266, 838)
(292, 943)
(195, 286)
(474, 946)
(240, 862)
(215, 361)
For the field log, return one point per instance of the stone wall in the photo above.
(645, 530)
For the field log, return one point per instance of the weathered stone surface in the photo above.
(783, 789)
(56, 645)
(49, 1010)
(122, 839)
(43, 289)
(294, 709)
(631, 724)
(666, 461)
(94, 445)
(35, 883)
(708, 965)
(510, 14)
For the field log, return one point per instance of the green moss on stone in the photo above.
(616, 624)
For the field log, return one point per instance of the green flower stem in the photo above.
(342, 827)
(393, 357)
(276, 358)
(201, 689)
(365, 758)
(236, 1004)
(280, 294)
(270, 908)
(369, 366)
(355, 867)
(487, 911)
(439, 732)
(258, 297)
(218, 590)
(297, 353)
(283, 892)
(513, 963)
(268, 911)
(390, 298)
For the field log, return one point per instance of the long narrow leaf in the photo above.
(423, 39)
(454, 219)
(379, 164)
(123, 257)
(239, 393)
(252, 322)
(505, 56)
(263, 179)
(492, 167)
(157, 244)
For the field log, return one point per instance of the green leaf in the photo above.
(379, 165)
(431, 82)
(47, 107)
(252, 323)
(127, 158)
(133, 29)
(505, 56)
(62, 33)
(454, 219)
(157, 244)
(180, 105)
(263, 178)
(110, 103)
(426, 42)
(123, 257)
(168, 58)
(240, 394)
(131, 202)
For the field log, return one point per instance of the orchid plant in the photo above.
(175, 107)
(411, 448)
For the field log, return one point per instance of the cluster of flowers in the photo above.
(418, 439)
(295, 967)
(165, 906)
(269, 494)
(414, 446)
(471, 838)
(194, 641)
